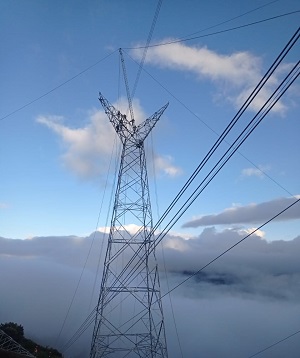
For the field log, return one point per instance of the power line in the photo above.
(89, 252)
(163, 254)
(88, 321)
(143, 47)
(57, 87)
(233, 246)
(85, 70)
(107, 215)
(84, 326)
(90, 248)
(146, 47)
(274, 344)
(285, 84)
(276, 95)
(276, 98)
(132, 196)
(210, 128)
(134, 89)
(233, 148)
(231, 19)
(281, 89)
(222, 254)
(214, 33)
(216, 169)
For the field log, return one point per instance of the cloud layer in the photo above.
(250, 214)
(251, 293)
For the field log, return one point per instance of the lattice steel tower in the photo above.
(129, 320)
(9, 345)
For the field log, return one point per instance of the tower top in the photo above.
(127, 128)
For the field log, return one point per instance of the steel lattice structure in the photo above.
(129, 319)
(8, 344)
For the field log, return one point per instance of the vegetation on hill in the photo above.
(16, 332)
(6, 354)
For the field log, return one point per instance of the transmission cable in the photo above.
(231, 247)
(216, 168)
(215, 259)
(57, 87)
(246, 104)
(94, 233)
(92, 242)
(144, 53)
(107, 217)
(111, 196)
(212, 130)
(84, 326)
(277, 94)
(140, 66)
(281, 89)
(146, 47)
(222, 254)
(247, 131)
(142, 47)
(238, 142)
(229, 20)
(87, 258)
(213, 33)
(219, 166)
(274, 344)
(163, 252)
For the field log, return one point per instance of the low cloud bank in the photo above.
(243, 302)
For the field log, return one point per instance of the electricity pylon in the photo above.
(129, 318)
(9, 345)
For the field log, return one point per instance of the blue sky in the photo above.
(55, 152)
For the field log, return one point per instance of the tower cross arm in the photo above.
(116, 118)
(145, 127)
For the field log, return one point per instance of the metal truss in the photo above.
(8, 344)
(129, 320)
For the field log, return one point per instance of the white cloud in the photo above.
(252, 213)
(130, 228)
(256, 172)
(165, 164)
(250, 230)
(3, 206)
(235, 68)
(88, 150)
(235, 74)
